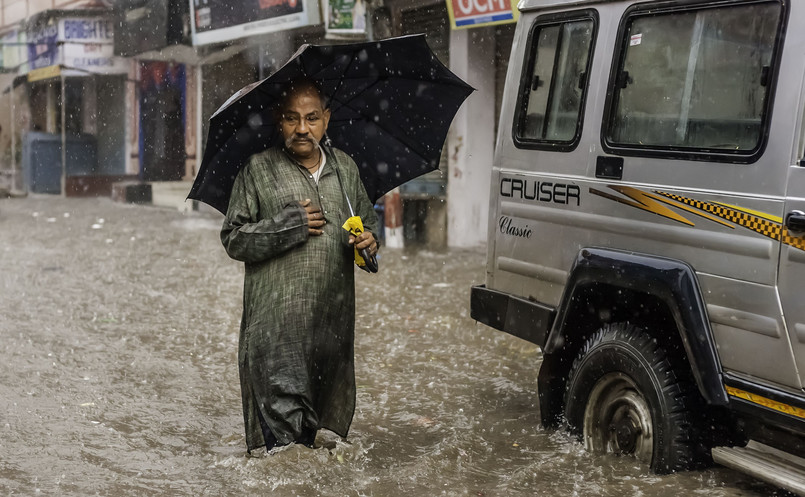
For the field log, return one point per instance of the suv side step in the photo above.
(526, 319)
(765, 463)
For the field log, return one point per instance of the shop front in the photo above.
(76, 87)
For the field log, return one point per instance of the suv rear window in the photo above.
(694, 80)
(554, 81)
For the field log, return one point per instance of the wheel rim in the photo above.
(617, 419)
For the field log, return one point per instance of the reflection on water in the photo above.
(119, 376)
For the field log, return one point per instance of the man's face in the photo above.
(303, 122)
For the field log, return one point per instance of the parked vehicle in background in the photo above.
(647, 227)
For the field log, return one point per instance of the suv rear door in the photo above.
(792, 260)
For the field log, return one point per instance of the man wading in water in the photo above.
(295, 353)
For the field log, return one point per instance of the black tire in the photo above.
(624, 396)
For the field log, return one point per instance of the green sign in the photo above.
(346, 15)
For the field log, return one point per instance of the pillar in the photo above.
(471, 141)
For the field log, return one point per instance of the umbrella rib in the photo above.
(331, 64)
(344, 103)
(410, 144)
(341, 79)
(333, 97)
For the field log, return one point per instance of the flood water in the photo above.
(118, 332)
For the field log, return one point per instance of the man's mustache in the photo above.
(296, 139)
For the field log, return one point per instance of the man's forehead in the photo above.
(297, 96)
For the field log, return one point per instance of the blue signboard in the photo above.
(43, 49)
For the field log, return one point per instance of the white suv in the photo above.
(646, 227)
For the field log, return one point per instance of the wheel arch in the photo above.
(659, 290)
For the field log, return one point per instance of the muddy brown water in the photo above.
(118, 332)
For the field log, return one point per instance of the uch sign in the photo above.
(471, 13)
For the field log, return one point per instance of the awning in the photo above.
(184, 54)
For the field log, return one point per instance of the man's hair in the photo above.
(300, 85)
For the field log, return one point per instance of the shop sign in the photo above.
(80, 44)
(215, 21)
(42, 47)
(345, 16)
(86, 30)
(87, 46)
(93, 58)
(474, 13)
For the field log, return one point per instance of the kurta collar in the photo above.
(327, 159)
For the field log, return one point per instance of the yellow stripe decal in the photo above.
(762, 223)
(694, 211)
(774, 219)
(763, 401)
(641, 200)
(754, 223)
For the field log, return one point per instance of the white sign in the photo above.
(216, 21)
(94, 58)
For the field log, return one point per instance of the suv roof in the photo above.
(526, 5)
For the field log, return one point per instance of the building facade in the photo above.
(63, 99)
(98, 92)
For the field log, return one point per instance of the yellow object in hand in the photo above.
(355, 226)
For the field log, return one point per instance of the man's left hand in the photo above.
(364, 241)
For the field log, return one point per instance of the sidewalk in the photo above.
(173, 194)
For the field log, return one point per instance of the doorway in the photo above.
(162, 126)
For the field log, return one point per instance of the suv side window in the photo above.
(694, 81)
(554, 81)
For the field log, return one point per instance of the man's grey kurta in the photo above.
(295, 353)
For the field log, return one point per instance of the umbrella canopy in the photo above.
(391, 104)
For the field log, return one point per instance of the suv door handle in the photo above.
(795, 221)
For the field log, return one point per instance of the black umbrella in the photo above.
(391, 104)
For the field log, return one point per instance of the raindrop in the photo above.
(255, 121)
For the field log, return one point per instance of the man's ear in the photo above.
(326, 117)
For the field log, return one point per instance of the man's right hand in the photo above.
(315, 219)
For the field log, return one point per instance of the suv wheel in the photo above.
(623, 396)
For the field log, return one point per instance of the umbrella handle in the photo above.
(371, 262)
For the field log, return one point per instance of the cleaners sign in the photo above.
(474, 13)
(80, 45)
